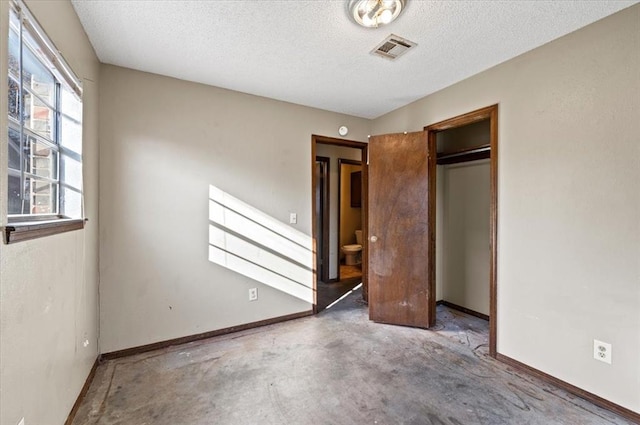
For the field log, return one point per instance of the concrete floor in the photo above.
(328, 293)
(333, 368)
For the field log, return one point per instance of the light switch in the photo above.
(293, 218)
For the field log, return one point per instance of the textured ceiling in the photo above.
(310, 53)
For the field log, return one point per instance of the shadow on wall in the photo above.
(254, 244)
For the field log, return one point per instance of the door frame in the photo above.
(324, 211)
(490, 113)
(340, 162)
(325, 140)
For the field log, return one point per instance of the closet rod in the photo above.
(480, 152)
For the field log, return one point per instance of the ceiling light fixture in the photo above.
(374, 13)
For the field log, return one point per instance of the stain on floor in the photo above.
(333, 368)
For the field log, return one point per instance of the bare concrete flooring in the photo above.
(328, 293)
(333, 368)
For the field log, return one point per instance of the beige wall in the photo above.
(439, 233)
(163, 142)
(48, 286)
(569, 236)
(350, 218)
(462, 221)
(334, 153)
(568, 200)
(466, 256)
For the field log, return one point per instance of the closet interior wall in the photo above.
(462, 217)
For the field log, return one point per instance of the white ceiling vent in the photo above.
(393, 47)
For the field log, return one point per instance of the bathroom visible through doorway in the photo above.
(339, 219)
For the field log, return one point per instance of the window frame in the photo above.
(21, 227)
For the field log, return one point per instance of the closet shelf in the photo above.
(465, 155)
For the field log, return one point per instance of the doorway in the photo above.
(349, 249)
(465, 211)
(462, 218)
(321, 213)
(339, 204)
(402, 227)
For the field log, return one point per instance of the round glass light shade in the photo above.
(374, 13)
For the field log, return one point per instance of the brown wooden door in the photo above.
(401, 230)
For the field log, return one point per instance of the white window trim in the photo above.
(24, 227)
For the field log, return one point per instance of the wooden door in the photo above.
(401, 230)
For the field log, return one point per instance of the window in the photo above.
(45, 127)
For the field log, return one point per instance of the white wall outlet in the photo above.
(602, 351)
(21, 422)
(253, 294)
(293, 218)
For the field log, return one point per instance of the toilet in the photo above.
(353, 252)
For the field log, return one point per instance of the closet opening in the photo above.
(465, 170)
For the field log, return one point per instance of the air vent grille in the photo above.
(393, 47)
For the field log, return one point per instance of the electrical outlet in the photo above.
(253, 294)
(602, 351)
(293, 218)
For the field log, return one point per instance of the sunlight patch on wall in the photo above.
(254, 244)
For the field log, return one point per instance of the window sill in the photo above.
(24, 231)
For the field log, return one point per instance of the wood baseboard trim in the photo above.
(191, 338)
(597, 400)
(83, 392)
(463, 309)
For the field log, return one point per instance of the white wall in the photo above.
(48, 286)
(334, 153)
(568, 200)
(465, 245)
(163, 142)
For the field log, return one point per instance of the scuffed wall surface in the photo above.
(163, 143)
(48, 286)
